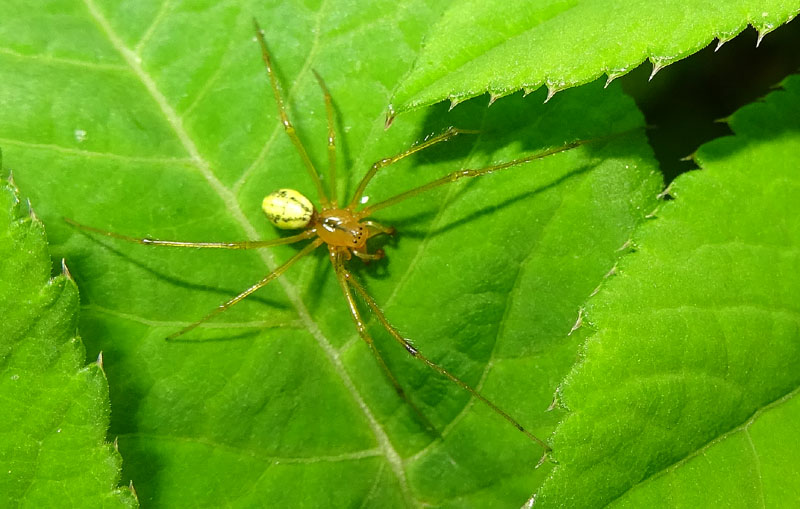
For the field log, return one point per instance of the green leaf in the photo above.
(501, 47)
(55, 409)
(160, 122)
(703, 412)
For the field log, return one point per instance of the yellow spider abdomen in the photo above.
(288, 209)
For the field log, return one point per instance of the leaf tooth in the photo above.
(455, 101)
(528, 90)
(629, 246)
(612, 272)
(133, 490)
(493, 97)
(763, 31)
(99, 361)
(530, 502)
(390, 115)
(724, 120)
(614, 74)
(557, 400)
(691, 157)
(553, 89)
(576, 326)
(666, 194)
(116, 444)
(31, 212)
(658, 64)
(65, 270)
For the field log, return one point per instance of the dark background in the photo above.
(685, 101)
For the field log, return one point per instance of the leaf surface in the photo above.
(705, 313)
(159, 122)
(54, 408)
(501, 47)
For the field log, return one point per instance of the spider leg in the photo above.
(450, 133)
(331, 140)
(269, 277)
(459, 174)
(417, 355)
(341, 276)
(287, 125)
(369, 257)
(373, 229)
(377, 228)
(246, 244)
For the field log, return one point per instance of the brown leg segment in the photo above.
(331, 141)
(450, 133)
(269, 277)
(287, 125)
(341, 276)
(245, 244)
(417, 355)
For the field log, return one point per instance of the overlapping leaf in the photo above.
(703, 409)
(54, 410)
(501, 47)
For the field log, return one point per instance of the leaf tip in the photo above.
(99, 361)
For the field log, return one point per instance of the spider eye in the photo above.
(288, 209)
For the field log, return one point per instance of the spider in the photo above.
(345, 230)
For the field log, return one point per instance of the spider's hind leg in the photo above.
(350, 280)
(342, 275)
